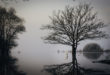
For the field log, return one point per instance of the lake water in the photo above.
(85, 60)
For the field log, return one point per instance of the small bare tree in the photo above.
(74, 24)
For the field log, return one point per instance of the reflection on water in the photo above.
(92, 55)
(107, 57)
(66, 69)
(89, 64)
(8, 66)
(62, 69)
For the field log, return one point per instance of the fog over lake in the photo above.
(33, 53)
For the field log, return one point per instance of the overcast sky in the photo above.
(36, 13)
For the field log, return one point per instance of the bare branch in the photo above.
(75, 24)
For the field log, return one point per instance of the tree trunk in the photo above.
(4, 60)
(74, 60)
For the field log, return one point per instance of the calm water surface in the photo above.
(85, 60)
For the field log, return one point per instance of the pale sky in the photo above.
(36, 13)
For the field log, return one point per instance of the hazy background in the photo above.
(31, 50)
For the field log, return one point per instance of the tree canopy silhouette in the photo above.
(10, 26)
(74, 24)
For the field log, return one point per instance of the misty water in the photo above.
(85, 60)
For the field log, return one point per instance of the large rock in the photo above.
(92, 47)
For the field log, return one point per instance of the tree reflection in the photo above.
(66, 69)
(8, 66)
(63, 69)
(107, 57)
(93, 56)
(104, 61)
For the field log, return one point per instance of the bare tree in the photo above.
(10, 26)
(75, 24)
